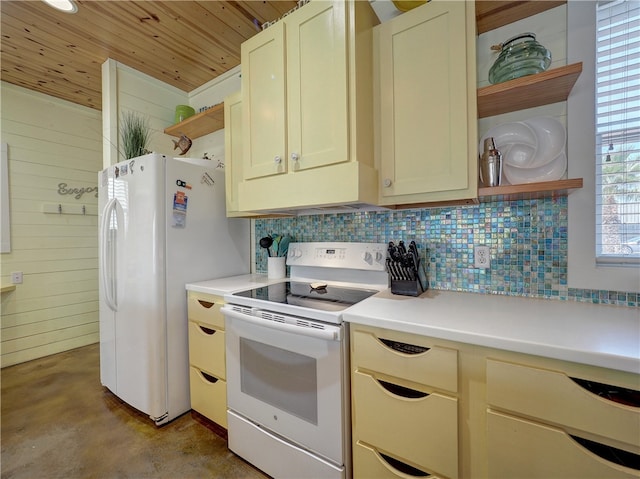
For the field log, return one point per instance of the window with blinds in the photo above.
(618, 132)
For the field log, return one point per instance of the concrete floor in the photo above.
(59, 422)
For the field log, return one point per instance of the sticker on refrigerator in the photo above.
(179, 209)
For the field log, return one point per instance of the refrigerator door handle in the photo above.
(106, 256)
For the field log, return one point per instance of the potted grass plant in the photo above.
(135, 133)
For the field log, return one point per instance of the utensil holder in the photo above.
(276, 267)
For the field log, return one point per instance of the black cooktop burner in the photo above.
(309, 295)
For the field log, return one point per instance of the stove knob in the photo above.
(379, 256)
(366, 256)
(295, 253)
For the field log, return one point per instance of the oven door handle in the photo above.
(330, 332)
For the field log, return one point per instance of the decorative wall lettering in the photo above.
(63, 189)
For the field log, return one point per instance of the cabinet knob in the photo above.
(386, 182)
(277, 160)
(295, 156)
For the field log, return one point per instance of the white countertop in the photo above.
(600, 335)
(231, 284)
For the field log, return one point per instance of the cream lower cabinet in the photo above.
(428, 406)
(544, 423)
(307, 109)
(426, 113)
(207, 357)
(404, 406)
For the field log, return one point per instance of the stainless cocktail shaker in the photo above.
(490, 164)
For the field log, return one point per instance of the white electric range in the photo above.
(287, 360)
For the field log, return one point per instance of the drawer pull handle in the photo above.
(609, 453)
(402, 467)
(209, 378)
(628, 397)
(401, 390)
(208, 331)
(205, 304)
(403, 347)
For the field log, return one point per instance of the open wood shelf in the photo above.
(529, 190)
(6, 288)
(492, 14)
(200, 124)
(543, 88)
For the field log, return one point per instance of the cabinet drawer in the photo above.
(206, 349)
(369, 463)
(433, 366)
(209, 396)
(522, 449)
(205, 309)
(554, 397)
(421, 429)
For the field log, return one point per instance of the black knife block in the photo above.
(407, 281)
(406, 287)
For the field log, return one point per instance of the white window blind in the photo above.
(618, 132)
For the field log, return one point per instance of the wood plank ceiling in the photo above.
(182, 43)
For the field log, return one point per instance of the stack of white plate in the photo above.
(532, 150)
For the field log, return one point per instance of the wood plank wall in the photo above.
(50, 141)
(152, 99)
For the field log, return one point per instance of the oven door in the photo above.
(289, 379)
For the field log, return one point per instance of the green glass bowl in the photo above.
(520, 56)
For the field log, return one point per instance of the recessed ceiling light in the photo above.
(67, 6)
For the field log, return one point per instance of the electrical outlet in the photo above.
(481, 257)
(16, 277)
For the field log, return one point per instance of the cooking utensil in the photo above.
(276, 244)
(266, 243)
(284, 245)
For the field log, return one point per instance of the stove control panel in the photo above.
(348, 255)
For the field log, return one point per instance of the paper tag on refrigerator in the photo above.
(179, 209)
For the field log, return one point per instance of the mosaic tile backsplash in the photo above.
(527, 239)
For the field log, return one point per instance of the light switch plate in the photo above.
(16, 277)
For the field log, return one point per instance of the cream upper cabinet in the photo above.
(234, 147)
(317, 87)
(426, 104)
(264, 103)
(307, 109)
(233, 150)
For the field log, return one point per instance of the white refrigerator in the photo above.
(162, 224)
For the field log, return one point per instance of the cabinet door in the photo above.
(233, 150)
(317, 85)
(264, 103)
(424, 100)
